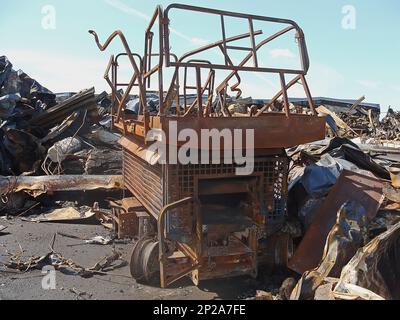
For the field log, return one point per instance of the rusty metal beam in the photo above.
(42, 184)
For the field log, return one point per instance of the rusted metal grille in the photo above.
(144, 181)
(273, 170)
(158, 185)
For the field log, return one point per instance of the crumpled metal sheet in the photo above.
(24, 148)
(15, 85)
(350, 186)
(5, 69)
(152, 102)
(318, 179)
(376, 266)
(347, 235)
(342, 148)
(68, 214)
(354, 292)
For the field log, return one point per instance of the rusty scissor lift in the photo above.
(203, 220)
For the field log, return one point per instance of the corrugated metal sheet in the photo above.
(144, 181)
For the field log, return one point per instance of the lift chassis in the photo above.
(204, 220)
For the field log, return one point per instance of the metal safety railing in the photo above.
(153, 63)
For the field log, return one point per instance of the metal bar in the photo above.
(115, 89)
(178, 276)
(293, 25)
(187, 250)
(290, 84)
(285, 96)
(239, 48)
(128, 51)
(209, 82)
(235, 86)
(114, 84)
(146, 48)
(133, 54)
(149, 54)
(210, 85)
(161, 62)
(228, 13)
(308, 94)
(125, 97)
(184, 88)
(178, 105)
(161, 237)
(216, 44)
(175, 78)
(199, 92)
(124, 84)
(253, 43)
(148, 74)
(225, 48)
(236, 68)
(176, 73)
(248, 57)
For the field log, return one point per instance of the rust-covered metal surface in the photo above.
(145, 181)
(272, 129)
(156, 185)
(41, 184)
(270, 172)
(201, 233)
(374, 267)
(350, 186)
(198, 227)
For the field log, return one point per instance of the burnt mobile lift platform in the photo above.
(203, 220)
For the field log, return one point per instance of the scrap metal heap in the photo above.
(203, 220)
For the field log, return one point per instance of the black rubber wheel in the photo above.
(135, 265)
(150, 262)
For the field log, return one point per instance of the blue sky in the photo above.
(344, 63)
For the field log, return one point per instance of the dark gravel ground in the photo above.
(34, 239)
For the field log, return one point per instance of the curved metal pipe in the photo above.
(103, 47)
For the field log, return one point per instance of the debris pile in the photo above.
(389, 128)
(352, 119)
(347, 199)
(343, 201)
(53, 142)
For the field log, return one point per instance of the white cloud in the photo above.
(281, 53)
(60, 72)
(369, 84)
